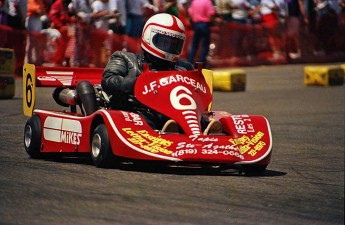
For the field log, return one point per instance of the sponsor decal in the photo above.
(144, 140)
(43, 78)
(65, 77)
(62, 130)
(154, 85)
(184, 148)
(133, 117)
(250, 145)
(243, 124)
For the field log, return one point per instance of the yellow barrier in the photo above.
(323, 75)
(229, 80)
(7, 80)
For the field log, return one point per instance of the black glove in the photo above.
(128, 83)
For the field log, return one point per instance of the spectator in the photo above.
(118, 9)
(117, 25)
(201, 13)
(82, 10)
(240, 15)
(3, 13)
(36, 9)
(342, 11)
(327, 22)
(224, 10)
(135, 17)
(167, 6)
(296, 15)
(15, 17)
(100, 15)
(270, 20)
(60, 16)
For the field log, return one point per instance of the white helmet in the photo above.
(163, 37)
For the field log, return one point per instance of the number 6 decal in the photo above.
(29, 89)
(182, 101)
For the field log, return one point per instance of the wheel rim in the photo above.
(96, 145)
(27, 136)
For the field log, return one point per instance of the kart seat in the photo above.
(87, 96)
(214, 127)
(170, 127)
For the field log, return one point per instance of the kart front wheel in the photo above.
(101, 153)
(32, 137)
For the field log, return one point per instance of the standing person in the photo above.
(3, 13)
(117, 24)
(242, 11)
(270, 20)
(82, 10)
(118, 9)
(201, 13)
(60, 16)
(135, 17)
(296, 15)
(15, 18)
(35, 10)
(167, 6)
(224, 10)
(342, 11)
(100, 15)
(160, 49)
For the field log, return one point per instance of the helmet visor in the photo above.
(169, 44)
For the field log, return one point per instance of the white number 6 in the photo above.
(176, 98)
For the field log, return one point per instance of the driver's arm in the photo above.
(120, 73)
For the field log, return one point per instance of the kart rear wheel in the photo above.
(253, 170)
(101, 152)
(32, 137)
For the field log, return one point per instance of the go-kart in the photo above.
(108, 134)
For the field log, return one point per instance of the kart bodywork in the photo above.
(183, 96)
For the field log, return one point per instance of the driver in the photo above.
(162, 42)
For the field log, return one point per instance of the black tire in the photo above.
(253, 170)
(32, 137)
(101, 153)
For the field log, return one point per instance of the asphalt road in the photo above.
(304, 183)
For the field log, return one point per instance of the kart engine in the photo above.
(65, 97)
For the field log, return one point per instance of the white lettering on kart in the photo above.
(62, 130)
(243, 124)
(184, 148)
(173, 79)
(195, 137)
(132, 117)
(214, 149)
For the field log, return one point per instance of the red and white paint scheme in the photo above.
(183, 96)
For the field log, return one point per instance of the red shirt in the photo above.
(58, 14)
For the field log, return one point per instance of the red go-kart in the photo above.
(109, 134)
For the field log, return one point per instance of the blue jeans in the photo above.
(202, 34)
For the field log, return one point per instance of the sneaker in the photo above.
(214, 127)
(294, 55)
(170, 127)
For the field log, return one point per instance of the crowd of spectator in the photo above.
(90, 30)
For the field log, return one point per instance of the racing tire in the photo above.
(101, 153)
(32, 137)
(253, 170)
